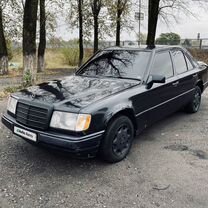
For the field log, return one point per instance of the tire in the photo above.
(118, 139)
(194, 105)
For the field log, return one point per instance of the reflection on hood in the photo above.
(75, 91)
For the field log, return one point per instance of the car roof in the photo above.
(144, 48)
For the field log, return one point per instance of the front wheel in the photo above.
(118, 140)
(194, 105)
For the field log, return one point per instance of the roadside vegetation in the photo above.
(200, 55)
(56, 60)
(68, 58)
(8, 90)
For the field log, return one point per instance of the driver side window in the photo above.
(162, 65)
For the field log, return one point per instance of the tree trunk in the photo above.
(29, 42)
(81, 47)
(42, 42)
(118, 23)
(152, 22)
(96, 26)
(96, 7)
(3, 48)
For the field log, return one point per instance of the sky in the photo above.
(189, 26)
(186, 26)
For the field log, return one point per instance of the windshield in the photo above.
(118, 64)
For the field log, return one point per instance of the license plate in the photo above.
(26, 134)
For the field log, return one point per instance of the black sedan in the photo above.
(114, 96)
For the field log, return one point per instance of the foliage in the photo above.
(12, 18)
(186, 43)
(105, 28)
(168, 39)
(124, 8)
(54, 60)
(73, 18)
(12, 89)
(143, 37)
(54, 9)
(55, 42)
(9, 90)
(71, 56)
(27, 79)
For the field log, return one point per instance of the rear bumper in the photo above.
(86, 146)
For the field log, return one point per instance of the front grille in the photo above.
(33, 116)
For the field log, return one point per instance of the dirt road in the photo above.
(167, 167)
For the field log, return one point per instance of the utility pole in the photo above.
(139, 16)
(140, 4)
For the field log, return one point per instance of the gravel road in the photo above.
(167, 167)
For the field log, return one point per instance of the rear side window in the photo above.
(162, 65)
(189, 64)
(179, 62)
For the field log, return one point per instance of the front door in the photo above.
(160, 99)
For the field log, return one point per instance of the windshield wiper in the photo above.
(130, 78)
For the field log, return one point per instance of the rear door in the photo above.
(186, 77)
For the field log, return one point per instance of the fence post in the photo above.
(200, 44)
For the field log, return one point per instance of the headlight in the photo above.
(12, 104)
(70, 121)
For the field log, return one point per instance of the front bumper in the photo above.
(85, 146)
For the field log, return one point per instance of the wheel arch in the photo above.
(128, 112)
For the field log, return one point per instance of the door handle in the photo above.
(195, 75)
(175, 84)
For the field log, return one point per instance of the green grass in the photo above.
(9, 90)
(62, 58)
(53, 59)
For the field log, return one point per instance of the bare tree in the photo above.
(119, 14)
(81, 46)
(96, 7)
(49, 12)
(168, 10)
(3, 47)
(42, 42)
(153, 12)
(29, 41)
(121, 5)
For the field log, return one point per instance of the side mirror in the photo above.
(155, 79)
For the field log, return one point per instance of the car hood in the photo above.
(75, 92)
